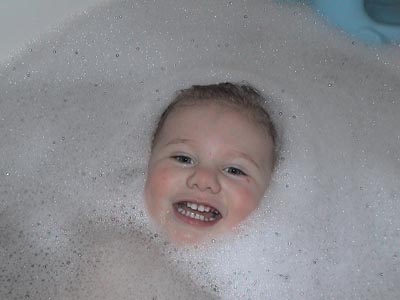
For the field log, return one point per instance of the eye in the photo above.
(183, 159)
(235, 171)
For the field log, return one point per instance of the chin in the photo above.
(189, 236)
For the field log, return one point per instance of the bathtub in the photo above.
(79, 102)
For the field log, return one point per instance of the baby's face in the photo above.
(208, 171)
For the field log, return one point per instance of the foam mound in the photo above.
(77, 109)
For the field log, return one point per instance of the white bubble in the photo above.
(77, 111)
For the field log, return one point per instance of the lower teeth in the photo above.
(194, 215)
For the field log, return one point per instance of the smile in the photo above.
(197, 214)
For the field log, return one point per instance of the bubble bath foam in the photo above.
(77, 108)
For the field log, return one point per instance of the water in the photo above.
(76, 112)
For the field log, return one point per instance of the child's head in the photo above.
(212, 157)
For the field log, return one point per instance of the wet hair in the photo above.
(242, 97)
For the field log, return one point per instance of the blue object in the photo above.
(372, 21)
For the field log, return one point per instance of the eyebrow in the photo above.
(178, 141)
(247, 157)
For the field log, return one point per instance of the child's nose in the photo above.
(204, 179)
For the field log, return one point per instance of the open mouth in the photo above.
(196, 213)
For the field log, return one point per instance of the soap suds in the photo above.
(77, 109)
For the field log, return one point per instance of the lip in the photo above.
(194, 222)
(211, 203)
(191, 221)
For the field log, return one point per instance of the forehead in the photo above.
(217, 129)
(210, 120)
(218, 114)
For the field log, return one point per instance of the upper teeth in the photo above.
(199, 207)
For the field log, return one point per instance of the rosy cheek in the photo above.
(248, 201)
(161, 181)
(166, 177)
